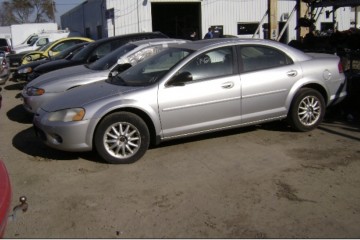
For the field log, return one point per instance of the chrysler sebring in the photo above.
(189, 89)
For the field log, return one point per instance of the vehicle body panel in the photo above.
(5, 197)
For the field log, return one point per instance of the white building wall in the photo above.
(343, 18)
(231, 12)
(135, 15)
(130, 16)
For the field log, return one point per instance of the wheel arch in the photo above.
(154, 140)
(316, 86)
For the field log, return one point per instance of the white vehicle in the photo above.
(36, 41)
(19, 32)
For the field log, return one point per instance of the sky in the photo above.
(62, 6)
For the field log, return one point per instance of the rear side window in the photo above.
(262, 57)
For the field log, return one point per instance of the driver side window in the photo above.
(215, 63)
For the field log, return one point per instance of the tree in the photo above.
(27, 11)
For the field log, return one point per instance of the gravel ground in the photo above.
(264, 181)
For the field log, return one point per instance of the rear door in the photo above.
(267, 77)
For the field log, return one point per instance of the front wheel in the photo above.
(121, 138)
(307, 110)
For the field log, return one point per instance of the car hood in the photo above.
(56, 64)
(33, 64)
(81, 96)
(69, 75)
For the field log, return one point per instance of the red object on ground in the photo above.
(5, 197)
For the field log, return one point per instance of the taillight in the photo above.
(340, 67)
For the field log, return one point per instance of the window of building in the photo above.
(247, 28)
(87, 32)
(99, 32)
(326, 27)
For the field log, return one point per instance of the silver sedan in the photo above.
(52, 84)
(189, 89)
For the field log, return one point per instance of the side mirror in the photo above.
(122, 67)
(180, 79)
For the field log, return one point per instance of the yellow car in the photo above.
(53, 48)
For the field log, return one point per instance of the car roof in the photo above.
(202, 45)
(158, 41)
(127, 36)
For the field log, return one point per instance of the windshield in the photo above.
(43, 48)
(84, 53)
(151, 70)
(33, 41)
(71, 50)
(110, 59)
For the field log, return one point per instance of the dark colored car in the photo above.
(93, 52)
(24, 70)
(5, 197)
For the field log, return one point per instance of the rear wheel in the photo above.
(307, 110)
(122, 138)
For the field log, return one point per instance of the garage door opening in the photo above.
(176, 20)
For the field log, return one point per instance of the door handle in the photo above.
(292, 73)
(227, 85)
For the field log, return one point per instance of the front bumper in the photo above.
(66, 136)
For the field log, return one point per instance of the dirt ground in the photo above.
(264, 181)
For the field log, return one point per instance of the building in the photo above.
(178, 18)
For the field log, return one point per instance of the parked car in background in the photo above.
(189, 89)
(5, 45)
(23, 71)
(52, 84)
(4, 68)
(49, 50)
(5, 197)
(94, 51)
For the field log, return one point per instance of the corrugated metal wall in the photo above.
(130, 16)
(135, 15)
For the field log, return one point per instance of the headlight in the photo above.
(33, 91)
(67, 115)
(25, 70)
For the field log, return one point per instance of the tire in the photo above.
(112, 138)
(307, 110)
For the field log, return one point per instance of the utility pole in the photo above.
(273, 23)
(53, 10)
